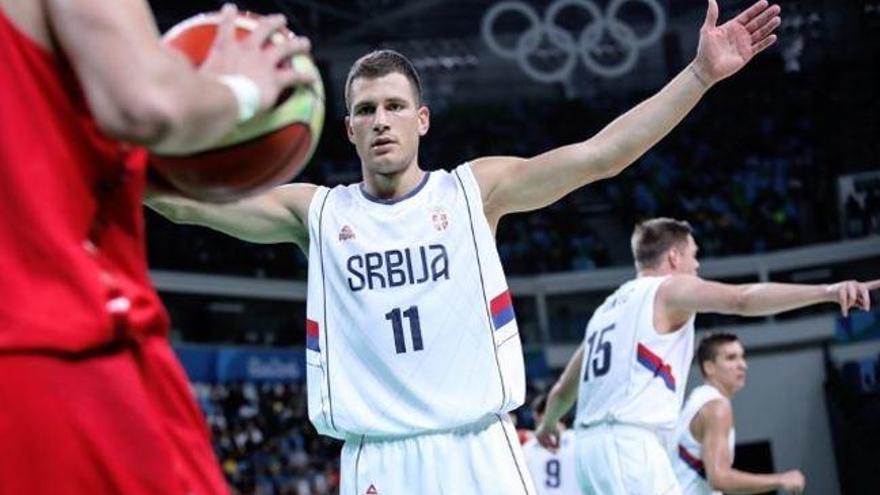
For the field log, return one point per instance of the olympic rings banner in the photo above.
(584, 46)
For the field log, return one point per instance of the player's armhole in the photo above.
(313, 213)
(706, 414)
(313, 210)
(685, 317)
(475, 195)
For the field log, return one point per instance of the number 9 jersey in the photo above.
(630, 373)
(410, 325)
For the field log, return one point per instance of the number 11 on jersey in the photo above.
(415, 328)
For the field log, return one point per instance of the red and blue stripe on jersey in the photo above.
(312, 336)
(656, 365)
(692, 461)
(502, 310)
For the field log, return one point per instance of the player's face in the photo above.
(385, 123)
(686, 257)
(730, 366)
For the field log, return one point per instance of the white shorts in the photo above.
(618, 459)
(484, 458)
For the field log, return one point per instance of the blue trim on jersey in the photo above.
(467, 203)
(503, 317)
(326, 372)
(392, 201)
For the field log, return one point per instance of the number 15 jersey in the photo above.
(410, 324)
(630, 373)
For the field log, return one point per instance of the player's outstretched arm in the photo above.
(278, 215)
(141, 92)
(560, 400)
(691, 294)
(511, 184)
(717, 420)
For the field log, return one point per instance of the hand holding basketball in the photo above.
(266, 149)
(259, 55)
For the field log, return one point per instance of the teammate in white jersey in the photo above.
(704, 439)
(628, 376)
(412, 348)
(552, 471)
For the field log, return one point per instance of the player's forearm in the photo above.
(226, 218)
(176, 208)
(629, 136)
(138, 90)
(259, 219)
(737, 482)
(771, 298)
(563, 394)
(191, 117)
(169, 107)
(560, 400)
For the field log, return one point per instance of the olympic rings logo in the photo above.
(586, 46)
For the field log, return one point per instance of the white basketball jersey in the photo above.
(553, 474)
(630, 373)
(410, 324)
(686, 453)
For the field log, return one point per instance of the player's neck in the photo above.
(661, 271)
(392, 186)
(728, 393)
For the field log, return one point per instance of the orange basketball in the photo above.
(260, 153)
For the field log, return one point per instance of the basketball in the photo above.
(259, 153)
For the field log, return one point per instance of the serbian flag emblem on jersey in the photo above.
(312, 335)
(656, 366)
(501, 308)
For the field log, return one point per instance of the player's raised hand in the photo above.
(852, 294)
(793, 482)
(548, 436)
(727, 48)
(255, 57)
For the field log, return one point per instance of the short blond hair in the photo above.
(652, 238)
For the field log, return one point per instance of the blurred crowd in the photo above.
(264, 441)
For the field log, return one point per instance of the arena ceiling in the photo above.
(444, 39)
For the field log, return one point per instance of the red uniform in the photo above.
(92, 400)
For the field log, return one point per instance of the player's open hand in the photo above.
(548, 436)
(852, 294)
(255, 57)
(793, 482)
(725, 49)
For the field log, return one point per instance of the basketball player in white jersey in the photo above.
(413, 353)
(552, 471)
(628, 376)
(704, 439)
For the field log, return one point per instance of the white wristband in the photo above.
(246, 92)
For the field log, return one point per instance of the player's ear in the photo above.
(709, 367)
(424, 116)
(673, 257)
(349, 131)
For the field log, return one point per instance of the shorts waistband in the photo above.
(612, 424)
(474, 427)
